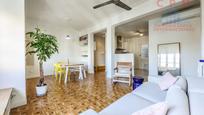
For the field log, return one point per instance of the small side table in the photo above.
(137, 81)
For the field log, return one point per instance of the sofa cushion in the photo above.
(196, 95)
(126, 105)
(196, 101)
(156, 109)
(195, 84)
(150, 91)
(177, 101)
(182, 83)
(167, 81)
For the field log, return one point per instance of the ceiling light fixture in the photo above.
(68, 37)
(141, 34)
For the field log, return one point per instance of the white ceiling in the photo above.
(130, 29)
(77, 14)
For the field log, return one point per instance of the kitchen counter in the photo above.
(5, 95)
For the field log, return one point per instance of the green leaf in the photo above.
(44, 45)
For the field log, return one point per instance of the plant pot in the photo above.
(41, 90)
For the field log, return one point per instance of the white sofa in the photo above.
(185, 97)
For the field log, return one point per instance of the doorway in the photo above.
(99, 51)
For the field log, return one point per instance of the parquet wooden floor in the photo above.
(94, 92)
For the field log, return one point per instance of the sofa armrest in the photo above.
(89, 112)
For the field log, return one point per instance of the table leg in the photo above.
(56, 75)
(67, 70)
(80, 73)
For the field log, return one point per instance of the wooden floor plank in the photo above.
(94, 92)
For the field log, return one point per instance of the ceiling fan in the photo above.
(116, 2)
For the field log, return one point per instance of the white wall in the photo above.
(68, 49)
(190, 45)
(90, 53)
(12, 40)
(110, 50)
(99, 54)
(202, 32)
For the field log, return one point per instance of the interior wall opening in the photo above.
(132, 41)
(99, 51)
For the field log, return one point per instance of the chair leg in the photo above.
(56, 75)
(69, 75)
(113, 82)
(130, 81)
(60, 77)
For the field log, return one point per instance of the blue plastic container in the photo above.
(202, 61)
(137, 81)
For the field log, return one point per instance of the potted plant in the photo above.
(44, 46)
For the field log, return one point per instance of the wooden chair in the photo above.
(123, 73)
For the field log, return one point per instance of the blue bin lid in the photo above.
(138, 77)
(201, 60)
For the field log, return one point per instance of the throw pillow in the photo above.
(167, 81)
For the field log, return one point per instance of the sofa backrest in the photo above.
(182, 83)
(195, 84)
(196, 95)
(177, 101)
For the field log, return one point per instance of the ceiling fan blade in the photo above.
(122, 5)
(103, 4)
